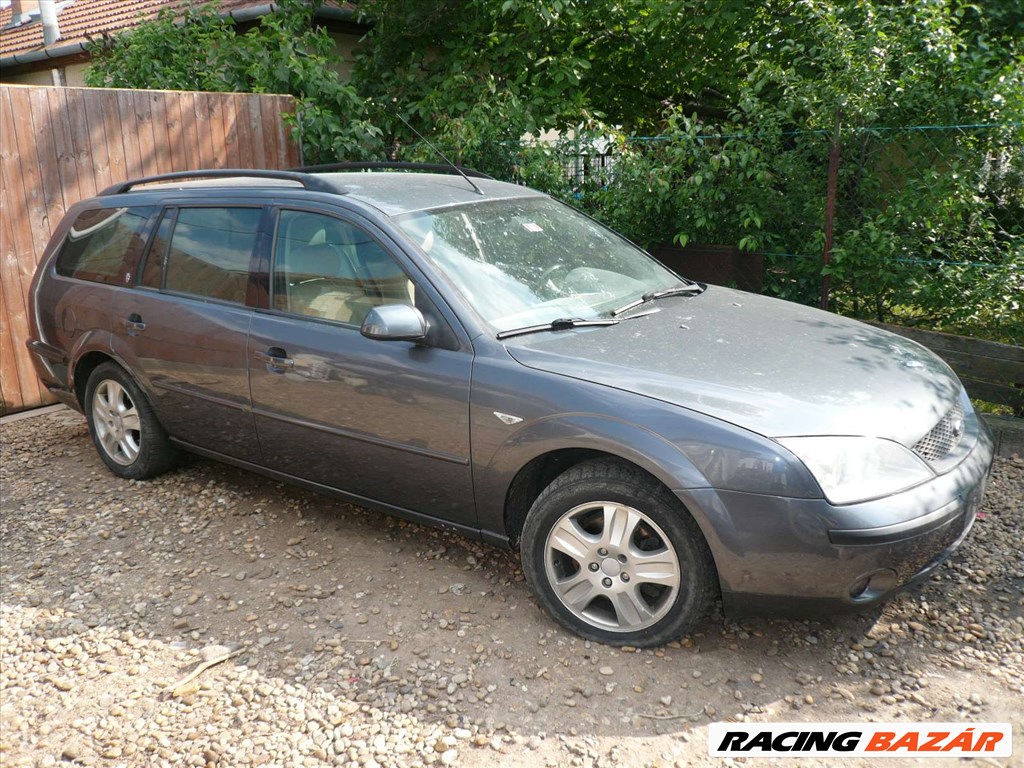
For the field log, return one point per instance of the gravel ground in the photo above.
(356, 639)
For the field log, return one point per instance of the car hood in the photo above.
(770, 366)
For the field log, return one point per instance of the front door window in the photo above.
(330, 269)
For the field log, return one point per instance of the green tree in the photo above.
(196, 49)
(743, 101)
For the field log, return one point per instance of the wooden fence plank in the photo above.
(15, 317)
(29, 171)
(991, 392)
(88, 182)
(935, 341)
(67, 163)
(207, 158)
(175, 134)
(217, 130)
(98, 141)
(30, 234)
(10, 382)
(52, 200)
(113, 130)
(229, 120)
(243, 132)
(46, 160)
(271, 135)
(157, 112)
(259, 142)
(10, 385)
(129, 139)
(62, 145)
(148, 147)
(984, 367)
(193, 151)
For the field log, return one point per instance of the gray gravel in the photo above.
(356, 639)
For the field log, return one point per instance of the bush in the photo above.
(194, 48)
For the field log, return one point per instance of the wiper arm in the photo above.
(561, 324)
(652, 295)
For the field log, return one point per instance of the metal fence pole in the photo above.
(830, 207)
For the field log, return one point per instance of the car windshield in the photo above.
(530, 261)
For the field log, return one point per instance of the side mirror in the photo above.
(394, 322)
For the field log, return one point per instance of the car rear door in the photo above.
(183, 329)
(385, 421)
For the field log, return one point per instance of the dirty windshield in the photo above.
(528, 261)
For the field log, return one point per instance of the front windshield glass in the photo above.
(529, 261)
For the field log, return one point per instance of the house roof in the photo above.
(84, 19)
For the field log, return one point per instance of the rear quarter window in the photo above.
(104, 243)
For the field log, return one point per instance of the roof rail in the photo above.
(371, 165)
(309, 182)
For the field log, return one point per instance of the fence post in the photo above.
(830, 206)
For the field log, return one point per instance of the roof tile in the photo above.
(84, 19)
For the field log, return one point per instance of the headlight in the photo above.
(852, 469)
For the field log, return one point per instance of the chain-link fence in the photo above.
(927, 222)
(929, 226)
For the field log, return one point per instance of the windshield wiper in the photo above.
(679, 290)
(561, 324)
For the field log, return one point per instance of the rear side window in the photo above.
(210, 250)
(103, 243)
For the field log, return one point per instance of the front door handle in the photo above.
(134, 324)
(275, 357)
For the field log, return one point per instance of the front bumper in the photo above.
(783, 556)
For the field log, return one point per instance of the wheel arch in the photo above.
(569, 442)
(91, 353)
(82, 370)
(533, 478)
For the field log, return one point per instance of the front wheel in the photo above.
(615, 558)
(124, 429)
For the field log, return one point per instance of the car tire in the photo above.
(124, 429)
(615, 557)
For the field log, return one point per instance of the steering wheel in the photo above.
(546, 282)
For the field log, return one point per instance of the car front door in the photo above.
(385, 421)
(184, 327)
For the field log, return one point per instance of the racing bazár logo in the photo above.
(860, 739)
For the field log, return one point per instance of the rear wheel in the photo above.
(615, 557)
(124, 429)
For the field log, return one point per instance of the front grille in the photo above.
(944, 436)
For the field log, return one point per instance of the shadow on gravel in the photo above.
(418, 621)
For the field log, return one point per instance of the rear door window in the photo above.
(210, 250)
(104, 244)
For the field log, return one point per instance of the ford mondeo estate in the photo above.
(478, 356)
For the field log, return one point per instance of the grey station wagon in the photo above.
(475, 355)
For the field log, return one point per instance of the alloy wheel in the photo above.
(612, 566)
(117, 423)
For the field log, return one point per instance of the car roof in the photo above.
(395, 193)
(390, 192)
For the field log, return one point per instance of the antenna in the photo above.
(439, 153)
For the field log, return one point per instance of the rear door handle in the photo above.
(134, 324)
(275, 357)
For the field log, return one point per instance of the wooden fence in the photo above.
(61, 145)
